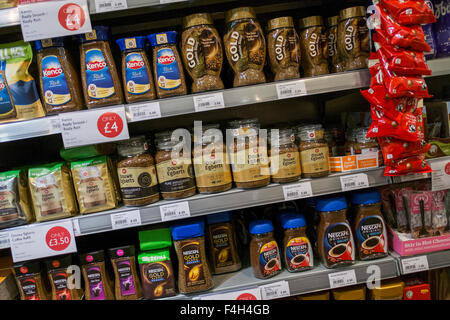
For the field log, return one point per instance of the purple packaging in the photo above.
(442, 27)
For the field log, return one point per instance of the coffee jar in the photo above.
(334, 62)
(245, 46)
(314, 151)
(202, 52)
(283, 47)
(353, 38)
(313, 44)
(284, 157)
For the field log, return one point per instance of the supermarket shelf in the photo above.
(436, 260)
(29, 129)
(439, 66)
(299, 283)
(9, 17)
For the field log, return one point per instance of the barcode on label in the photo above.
(338, 282)
(271, 293)
(350, 184)
(170, 213)
(104, 5)
(4, 242)
(204, 104)
(139, 114)
(121, 221)
(292, 194)
(286, 91)
(410, 267)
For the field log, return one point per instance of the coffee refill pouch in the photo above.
(16, 58)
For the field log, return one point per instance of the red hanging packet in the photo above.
(395, 149)
(414, 164)
(409, 11)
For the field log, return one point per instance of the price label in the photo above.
(342, 279)
(248, 294)
(94, 126)
(50, 19)
(354, 181)
(110, 5)
(297, 191)
(208, 102)
(415, 264)
(143, 111)
(76, 227)
(440, 177)
(126, 219)
(55, 125)
(40, 241)
(4, 240)
(291, 89)
(412, 177)
(275, 290)
(175, 211)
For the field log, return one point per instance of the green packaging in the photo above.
(155, 239)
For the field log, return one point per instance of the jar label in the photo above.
(6, 106)
(126, 281)
(136, 74)
(99, 81)
(175, 175)
(338, 245)
(29, 288)
(48, 200)
(249, 164)
(269, 258)
(92, 192)
(94, 277)
(371, 236)
(157, 279)
(332, 44)
(299, 253)
(56, 89)
(193, 267)
(59, 279)
(167, 71)
(221, 240)
(314, 160)
(138, 182)
(284, 46)
(212, 171)
(288, 165)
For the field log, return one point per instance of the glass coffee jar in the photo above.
(334, 62)
(211, 165)
(365, 145)
(313, 44)
(248, 155)
(137, 173)
(314, 152)
(284, 157)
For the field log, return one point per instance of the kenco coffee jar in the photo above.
(335, 238)
(248, 154)
(283, 48)
(202, 52)
(369, 226)
(334, 62)
(313, 44)
(245, 46)
(284, 157)
(314, 151)
(264, 250)
(353, 38)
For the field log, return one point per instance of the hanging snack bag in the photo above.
(439, 218)
(414, 164)
(409, 11)
(395, 149)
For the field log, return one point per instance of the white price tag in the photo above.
(208, 102)
(248, 294)
(275, 290)
(297, 191)
(94, 126)
(412, 177)
(143, 111)
(342, 279)
(291, 89)
(175, 211)
(4, 240)
(50, 19)
(76, 227)
(40, 241)
(126, 219)
(440, 177)
(354, 181)
(110, 5)
(55, 125)
(415, 264)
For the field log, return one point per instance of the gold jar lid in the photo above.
(282, 22)
(359, 11)
(240, 13)
(197, 19)
(388, 290)
(311, 22)
(332, 21)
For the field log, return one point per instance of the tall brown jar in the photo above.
(59, 84)
(99, 77)
(30, 281)
(313, 44)
(245, 46)
(97, 283)
(201, 48)
(334, 62)
(283, 47)
(314, 152)
(58, 276)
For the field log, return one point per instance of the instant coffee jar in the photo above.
(334, 60)
(313, 44)
(314, 151)
(284, 157)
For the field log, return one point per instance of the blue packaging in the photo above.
(442, 27)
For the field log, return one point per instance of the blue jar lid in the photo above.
(47, 43)
(131, 43)
(189, 229)
(366, 197)
(260, 226)
(331, 204)
(293, 220)
(219, 217)
(99, 33)
(157, 39)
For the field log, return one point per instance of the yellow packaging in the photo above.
(389, 290)
(350, 293)
(323, 295)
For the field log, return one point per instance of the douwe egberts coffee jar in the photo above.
(314, 152)
(284, 157)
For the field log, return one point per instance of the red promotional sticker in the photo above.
(58, 238)
(246, 296)
(110, 124)
(409, 11)
(71, 16)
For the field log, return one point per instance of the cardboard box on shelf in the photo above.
(359, 161)
(405, 245)
(416, 289)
